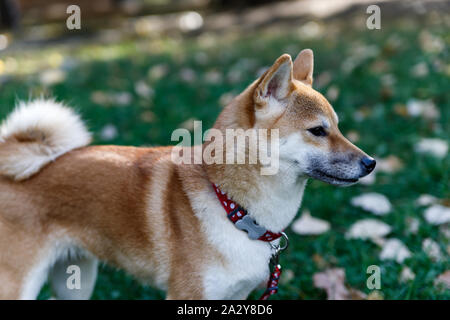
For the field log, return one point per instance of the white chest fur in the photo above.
(245, 263)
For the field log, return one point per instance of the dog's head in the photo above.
(310, 140)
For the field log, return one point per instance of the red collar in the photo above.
(242, 221)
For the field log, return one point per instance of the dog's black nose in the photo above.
(368, 164)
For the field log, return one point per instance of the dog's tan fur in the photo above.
(101, 197)
(134, 207)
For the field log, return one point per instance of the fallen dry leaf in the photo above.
(401, 110)
(373, 202)
(143, 89)
(432, 249)
(353, 136)
(100, 97)
(368, 229)
(201, 57)
(445, 231)
(420, 70)
(121, 98)
(426, 200)
(52, 76)
(445, 202)
(319, 261)
(369, 179)
(394, 249)
(190, 21)
(443, 280)
(190, 124)
(362, 113)
(188, 75)
(234, 75)
(355, 294)
(111, 98)
(287, 276)
(108, 132)
(431, 43)
(308, 225)
(375, 295)
(158, 71)
(407, 275)
(390, 164)
(311, 30)
(437, 214)
(332, 281)
(388, 80)
(147, 116)
(360, 52)
(433, 146)
(380, 66)
(226, 98)
(412, 225)
(213, 77)
(422, 108)
(394, 43)
(332, 93)
(322, 79)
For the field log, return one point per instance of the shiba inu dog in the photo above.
(63, 203)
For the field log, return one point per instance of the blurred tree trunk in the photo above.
(9, 14)
(229, 4)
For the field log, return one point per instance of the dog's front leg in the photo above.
(185, 285)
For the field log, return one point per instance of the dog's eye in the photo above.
(318, 131)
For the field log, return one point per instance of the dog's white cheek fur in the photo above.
(293, 148)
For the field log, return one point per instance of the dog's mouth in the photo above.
(331, 179)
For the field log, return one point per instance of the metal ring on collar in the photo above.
(286, 242)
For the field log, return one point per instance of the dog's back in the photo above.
(105, 200)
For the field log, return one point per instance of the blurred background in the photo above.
(138, 69)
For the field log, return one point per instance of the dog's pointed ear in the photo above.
(277, 81)
(304, 67)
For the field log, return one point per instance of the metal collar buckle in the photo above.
(275, 268)
(278, 248)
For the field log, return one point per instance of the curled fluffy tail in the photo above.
(36, 133)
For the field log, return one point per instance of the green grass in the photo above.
(113, 68)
